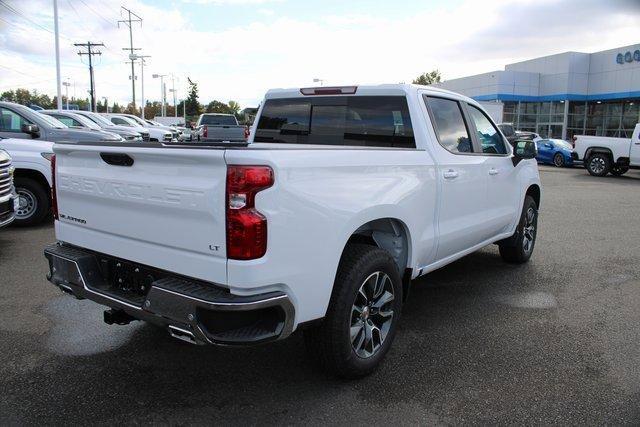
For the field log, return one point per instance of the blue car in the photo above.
(554, 152)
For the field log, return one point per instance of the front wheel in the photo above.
(518, 249)
(619, 170)
(558, 160)
(598, 164)
(363, 314)
(34, 202)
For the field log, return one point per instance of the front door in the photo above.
(461, 176)
(502, 202)
(634, 155)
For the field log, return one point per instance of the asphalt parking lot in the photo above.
(555, 341)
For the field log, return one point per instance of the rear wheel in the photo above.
(363, 314)
(598, 164)
(558, 160)
(619, 170)
(518, 249)
(34, 202)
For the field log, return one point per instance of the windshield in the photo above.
(86, 122)
(219, 120)
(137, 120)
(130, 121)
(97, 118)
(53, 122)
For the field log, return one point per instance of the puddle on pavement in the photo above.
(78, 328)
(543, 300)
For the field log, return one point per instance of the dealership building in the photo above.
(562, 95)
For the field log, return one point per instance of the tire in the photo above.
(35, 202)
(558, 160)
(598, 164)
(518, 249)
(355, 335)
(619, 170)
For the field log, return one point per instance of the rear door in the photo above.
(162, 207)
(502, 202)
(461, 174)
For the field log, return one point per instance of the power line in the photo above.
(23, 16)
(96, 13)
(128, 23)
(90, 54)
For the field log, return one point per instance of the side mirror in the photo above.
(524, 150)
(30, 129)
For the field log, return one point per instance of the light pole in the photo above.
(57, 39)
(161, 77)
(133, 57)
(321, 81)
(175, 107)
(66, 91)
(106, 103)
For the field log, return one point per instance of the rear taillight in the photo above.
(334, 90)
(246, 227)
(205, 131)
(54, 195)
(246, 132)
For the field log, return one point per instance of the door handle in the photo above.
(450, 174)
(493, 171)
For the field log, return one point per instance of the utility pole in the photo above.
(128, 23)
(90, 53)
(162, 93)
(173, 90)
(57, 37)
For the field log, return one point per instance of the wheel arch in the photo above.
(535, 193)
(33, 174)
(593, 150)
(392, 235)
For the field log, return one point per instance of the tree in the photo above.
(193, 105)
(217, 107)
(428, 78)
(234, 108)
(8, 96)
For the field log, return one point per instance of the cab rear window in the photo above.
(371, 121)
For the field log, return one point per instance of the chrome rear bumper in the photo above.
(191, 310)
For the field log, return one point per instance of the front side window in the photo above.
(449, 125)
(491, 140)
(11, 121)
(371, 121)
(68, 121)
(120, 121)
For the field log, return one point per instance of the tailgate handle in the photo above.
(117, 159)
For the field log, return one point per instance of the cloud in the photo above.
(242, 61)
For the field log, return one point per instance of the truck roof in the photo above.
(371, 90)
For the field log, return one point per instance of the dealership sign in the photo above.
(621, 58)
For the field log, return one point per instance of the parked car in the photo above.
(158, 135)
(216, 127)
(126, 132)
(32, 178)
(8, 196)
(555, 152)
(175, 135)
(18, 121)
(509, 132)
(602, 155)
(342, 196)
(80, 121)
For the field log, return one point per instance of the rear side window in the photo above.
(371, 121)
(449, 124)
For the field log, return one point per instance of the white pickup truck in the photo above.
(602, 155)
(319, 223)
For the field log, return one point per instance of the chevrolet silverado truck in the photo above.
(216, 127)
(318, 223)
(8, 196)
(602, 155)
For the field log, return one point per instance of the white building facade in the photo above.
(562, 95)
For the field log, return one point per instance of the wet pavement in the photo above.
(555, 341)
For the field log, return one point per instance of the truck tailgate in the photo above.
(224, 133)
(165, 210)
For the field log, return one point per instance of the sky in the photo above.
(238, 49)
